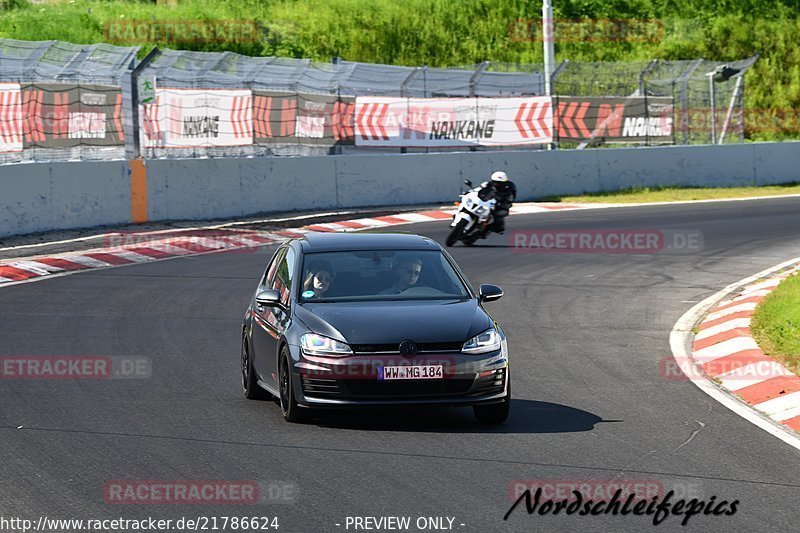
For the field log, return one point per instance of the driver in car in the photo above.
(406, 275)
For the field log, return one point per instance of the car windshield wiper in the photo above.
(322, 301)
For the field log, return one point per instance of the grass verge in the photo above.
(676, 194)
(776, 323)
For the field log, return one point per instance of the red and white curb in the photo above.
(132, 248)
(168, 244)
(724, 361)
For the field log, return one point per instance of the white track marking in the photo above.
(132, 256)
(722, 328)
(90, 262)
(747, 306)
(528, 209)
(778, 406)
(761, 292)
(788, 413)
(331, 226)
(40, 269)
(725, 348)
(415, 217)
(769, 284)
(43, 266)
(371, 222)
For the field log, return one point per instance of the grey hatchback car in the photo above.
(344, 320)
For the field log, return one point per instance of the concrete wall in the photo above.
(44, 196)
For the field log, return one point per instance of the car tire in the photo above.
(456, 233)
(494, 413)
(252, 390)
(290, 409)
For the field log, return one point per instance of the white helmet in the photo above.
(500, 176)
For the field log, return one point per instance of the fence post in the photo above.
(643, 93)
(741, 115)
(473, 82)
(475, 78)
(554, 102)
(555, 75)
(410, 79)
(684, 81)
(135, 100)
(674, 122)
(425, 90)
(729, 114)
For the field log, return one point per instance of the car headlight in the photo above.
(314, 344)
(488, 341)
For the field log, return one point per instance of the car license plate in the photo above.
(410, 372)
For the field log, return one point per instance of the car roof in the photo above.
(332, 242)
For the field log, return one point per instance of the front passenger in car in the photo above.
(319, 279)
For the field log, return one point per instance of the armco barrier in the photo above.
(45, 196)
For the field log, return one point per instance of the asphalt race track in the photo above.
(587, 332)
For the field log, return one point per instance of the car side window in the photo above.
(269, 275)
(284, 272)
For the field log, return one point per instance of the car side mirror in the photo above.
(468, 183)
(268, 297)
(489, 293)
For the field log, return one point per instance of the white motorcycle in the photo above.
(473, 218)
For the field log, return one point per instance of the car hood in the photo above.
(394, 321)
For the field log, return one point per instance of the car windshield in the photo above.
(379, 275)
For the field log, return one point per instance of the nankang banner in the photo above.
(197, 118)
(438, 122)
(614, 119)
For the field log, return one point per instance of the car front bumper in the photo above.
(354, 381)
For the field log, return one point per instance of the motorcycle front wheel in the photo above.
(455, 233)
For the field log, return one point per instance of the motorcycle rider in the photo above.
(504, 191)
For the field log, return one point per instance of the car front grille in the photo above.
(363, 388)
(422, 348)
